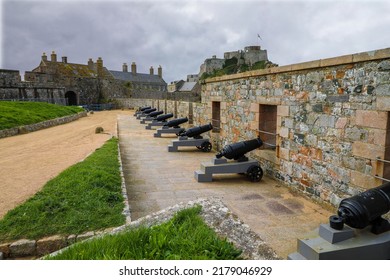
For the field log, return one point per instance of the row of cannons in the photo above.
(358, 231)
(231, 159)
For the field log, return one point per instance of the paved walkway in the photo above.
(156, 179)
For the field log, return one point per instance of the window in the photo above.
(216, 116)
(267, 126)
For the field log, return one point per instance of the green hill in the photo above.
(14, 114)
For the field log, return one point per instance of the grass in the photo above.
(87, 196)
(184, 237)
(14, 114)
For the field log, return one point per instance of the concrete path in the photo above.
(156, 179)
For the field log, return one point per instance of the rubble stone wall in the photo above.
(331, 125)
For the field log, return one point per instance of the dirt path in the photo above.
(28, 161)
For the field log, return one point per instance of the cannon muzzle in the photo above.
(176, 122)
(162, 118)
(195, 132)
(155, 113)
(237, 151)
(364, 209)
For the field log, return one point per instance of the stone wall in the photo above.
(331, 120)
(41, 125)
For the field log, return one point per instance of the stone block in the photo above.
(372, 119)
(284, 153)
(368, 151)
(371, 55)
(283, 111)
(50, 244)
(4, 248)
(84, 236)
(383, 103)
(306, 65)
(363, 180)
(22, 248)
(326, 121)
(255, 107)
(284, 132)
(71, 239)
(345, 59)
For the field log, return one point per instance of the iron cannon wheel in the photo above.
(254, 173)
(206, 146)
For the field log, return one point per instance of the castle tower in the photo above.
(99, 65)
(44, 57)
(159, 70)
(64, 59)
(53, 56)
(134, 68)
(124, 67)
(151, 71)
(90, 63)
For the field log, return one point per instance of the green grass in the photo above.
(14, 114)
(184, 237)
(87, 196)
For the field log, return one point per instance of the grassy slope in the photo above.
(87, 196)
(185, 237)
(13, 114)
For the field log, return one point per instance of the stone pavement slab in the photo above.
(156, 179)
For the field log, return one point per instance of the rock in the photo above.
(84, 236)
(50, 244)
(23, 248)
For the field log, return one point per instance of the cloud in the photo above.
(180, 35)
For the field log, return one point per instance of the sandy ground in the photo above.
(28, 161)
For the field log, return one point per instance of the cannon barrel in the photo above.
(155, 113)
(176, 122)
(364, 209)
(196, 131)
(238, 150)
(147, 111)
(162, 118)
(144, 108)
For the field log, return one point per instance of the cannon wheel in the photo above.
(254, 173)
(206, 146)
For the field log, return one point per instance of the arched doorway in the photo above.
(72, 98)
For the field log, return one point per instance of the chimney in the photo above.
(159, 71)
(53, 56)
(90, 63)
(64, 59)
(124, 67)
(44, 57)
(151, 70)
(99, 65)
(134, 68)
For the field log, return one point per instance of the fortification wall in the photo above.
(331, 119)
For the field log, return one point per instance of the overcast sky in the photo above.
(180, 35)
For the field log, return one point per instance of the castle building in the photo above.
(81, 84)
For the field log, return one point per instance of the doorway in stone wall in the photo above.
(71, 97)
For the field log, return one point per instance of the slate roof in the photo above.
(187, 86)
(138, 78)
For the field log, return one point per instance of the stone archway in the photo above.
(72, 98)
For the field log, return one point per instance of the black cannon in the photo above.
(144, 108)
(155, 114)
(141, 109)
(148, 111)
(238, 150)
(162, 118)
(196, 132)
(241, 164)
(176, 122)
(192, 137)
(364, 209)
